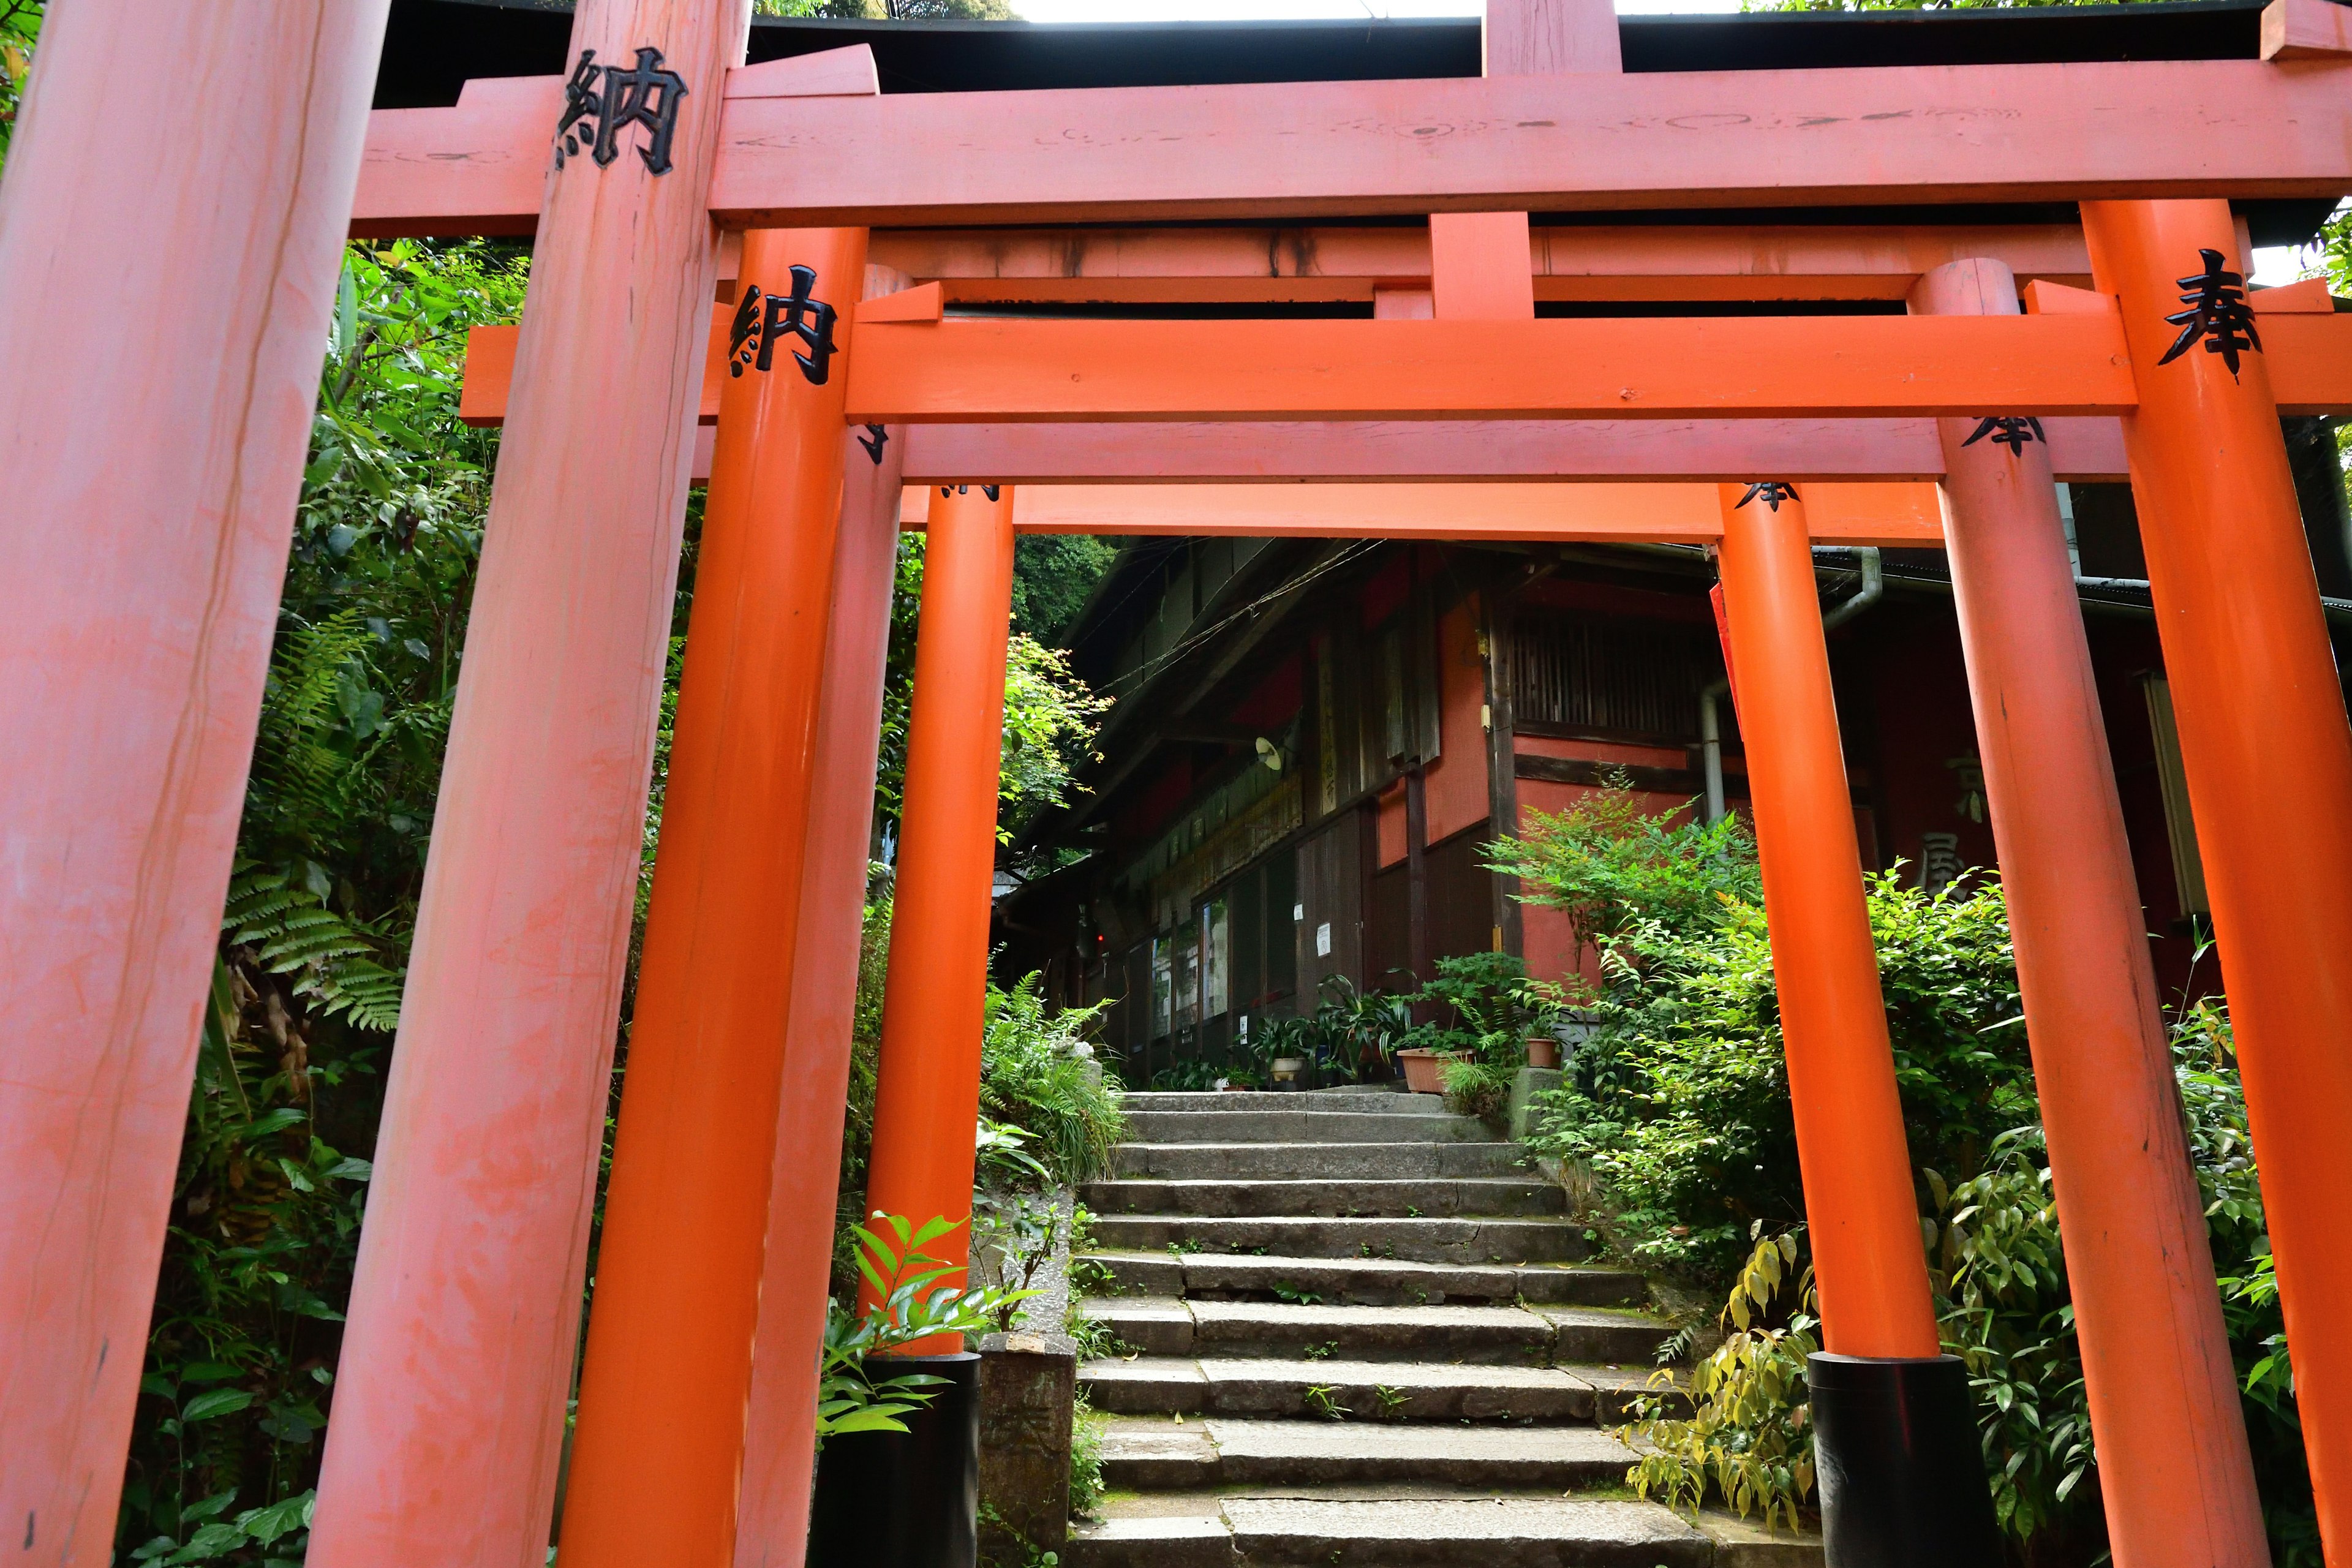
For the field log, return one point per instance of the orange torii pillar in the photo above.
(153, 457)
(2175, 1477)
(1902, 1476)
(657, 1447)
(449, 1409)
(2268, 755)
(780, 1437)
(927, 1094)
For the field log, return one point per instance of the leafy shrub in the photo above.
(1749, 1437)
(909, 1304)
(1608, 864)
(1038, 1072)
(1679, 1103)
(1484, 1008)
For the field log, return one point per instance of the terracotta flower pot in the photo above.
(1543, 1051)
(1423, 1069)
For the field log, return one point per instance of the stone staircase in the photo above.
(1359, 1332)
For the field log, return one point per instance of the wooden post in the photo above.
(1902, 1476)
(780, 1438)
(657, 1447)
(2175, 1475)
(1546, 37)
(162, 358)
(1500, 599)
(449, 1409)
(1861, 1216)
(2268, 755)
(927, 1096)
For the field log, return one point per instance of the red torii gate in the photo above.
(472, 1262)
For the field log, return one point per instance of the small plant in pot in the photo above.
(1284, 1052)
(1489, 1019)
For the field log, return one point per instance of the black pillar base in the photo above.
(905, 1500)
(1901, 1471)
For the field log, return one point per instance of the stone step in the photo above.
(1419, 1528)
(1520, 1336)
(1414, 1390)
(1142, 1453)
(1360, 1281)
(1446, 1240)
(1357, 1199)
(1294, 1125)
(1299, 1161)
(1341, 1097)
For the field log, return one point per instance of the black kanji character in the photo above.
(581, 101)
(1771, 493)
(2012, 431)
(758, 317)
(2218, 312)
(989, 490)
(613, 98)
(876, 436)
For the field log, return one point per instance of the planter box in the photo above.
(1423, 1068)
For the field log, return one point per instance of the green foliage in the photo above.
(1486, 1009)
(1607, 865)
(1052, 575)
(1038, 1073)
(1748, 1438)
(1679, 1103)
(1350, 1035)
(909, 1304)
(1086, 1431)
(264, 1227)
(2000, 1281)
(20, 27)
(1050, 714)
(1323, 1400)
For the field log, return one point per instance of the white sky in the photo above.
(2276, 265)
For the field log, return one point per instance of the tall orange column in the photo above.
(780, 1439)
(1895, 1439)
(1863, 1217)
(2268, 755)
(449, 1405)
(2175, 1475)
(926, 1097)
(152, 457)
(658, 1449)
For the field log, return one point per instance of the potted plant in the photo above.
(1283, 1053)
(1424, 1068)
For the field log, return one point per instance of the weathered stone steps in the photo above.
(1361, 1281)
(1395, 1527)
(1253, 1125)
(1403, 1199)
(1292, 1161)
(1447, 1239)
(1367, 1390)
(1160, 1453)
(1529, 1336)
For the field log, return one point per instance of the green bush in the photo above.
(1679, 1102)
(1038, 1072)
(1678, 1106)
(1609, 866)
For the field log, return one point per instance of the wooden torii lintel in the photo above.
(1904, 516)
(1300, 150)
